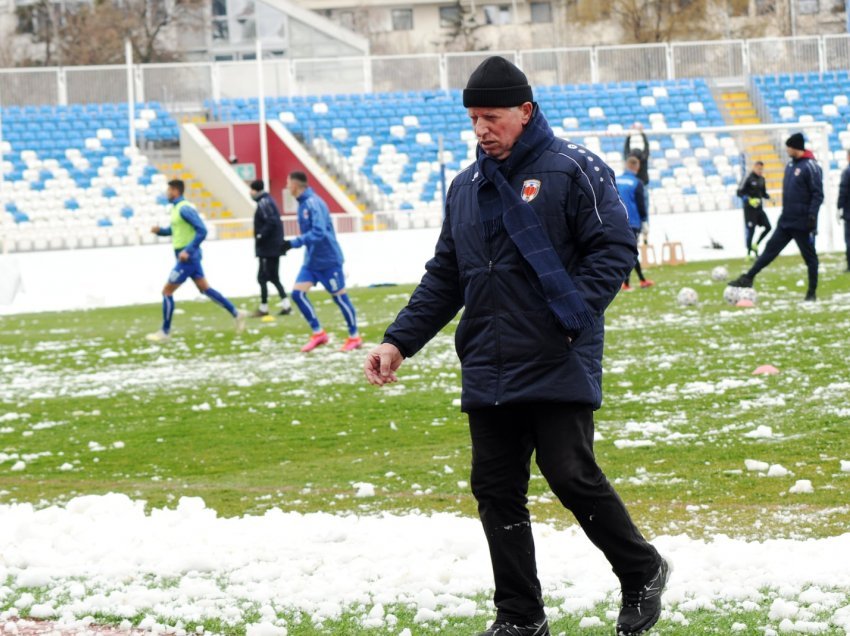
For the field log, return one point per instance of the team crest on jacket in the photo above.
(530, 189)
(797, 172)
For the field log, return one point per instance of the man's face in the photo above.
(793, 152)
(172, 193)
(758, 169)
(293, 186)
(497, 129)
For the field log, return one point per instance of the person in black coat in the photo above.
(268, 246)
(640, 151)
(802, 196)
(534, 246)
(844, 206)
(753, 191)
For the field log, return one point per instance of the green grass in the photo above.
(248, 423)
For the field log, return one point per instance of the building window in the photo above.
(765, 7)
(808, 6)
(497, 14)
(346, 19)
(449, 16)
(402, 19)
(541, 12)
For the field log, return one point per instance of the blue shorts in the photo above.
(331, 279)
(190, 269)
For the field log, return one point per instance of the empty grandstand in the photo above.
(72, 179)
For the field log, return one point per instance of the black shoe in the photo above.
(285, 312)
(259, 313)
(503, 628)
(642, 607)
(742, 281)
(811, 297)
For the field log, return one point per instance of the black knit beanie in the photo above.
(796, 141)
(496, 83)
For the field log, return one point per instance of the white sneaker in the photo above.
(159, 337)
(241, 316)
(285, 304)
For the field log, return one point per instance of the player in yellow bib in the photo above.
(187, 232)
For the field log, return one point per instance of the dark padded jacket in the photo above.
(268, 228)
(511, 347)
(802, 194)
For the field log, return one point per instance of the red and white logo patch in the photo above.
(530, 190)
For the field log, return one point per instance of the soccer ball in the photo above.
(720, 274)
(747, 294)
(687, 297)
(732, 294)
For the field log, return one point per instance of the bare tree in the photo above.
(39, 21)
(660, 20)
(462, 34)
(95, 33)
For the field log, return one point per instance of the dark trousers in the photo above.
(847, 240)
(638, 268)
(780, 239)
(750, 231)
(503, 440)
(269, 273)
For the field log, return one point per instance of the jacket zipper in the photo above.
(498, 334)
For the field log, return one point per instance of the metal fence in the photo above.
(185, 87)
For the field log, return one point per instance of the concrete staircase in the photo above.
(738, 110)
(209, 207)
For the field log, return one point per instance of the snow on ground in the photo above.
(105, 555)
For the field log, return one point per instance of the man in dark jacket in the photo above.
(534, 246)
(844, 206)
(639, 150)
(802, 195)
(752, 191)
(268, 244)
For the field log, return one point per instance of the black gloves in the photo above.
(812, 223)
(287, 245)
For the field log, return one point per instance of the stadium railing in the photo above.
(188, 86)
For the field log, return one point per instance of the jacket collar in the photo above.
(178, 200)
(531, 143)
(808, 154)
(305, 195)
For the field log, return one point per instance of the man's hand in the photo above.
(155, 229)
(287, 245)
(382, 363)
(644, 228)
(183, 256)
(812, 223)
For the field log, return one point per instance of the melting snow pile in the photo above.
(105, 555)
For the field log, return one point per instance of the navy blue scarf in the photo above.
(500, 206)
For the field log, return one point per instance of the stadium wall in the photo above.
(62, 280)
(285, 155)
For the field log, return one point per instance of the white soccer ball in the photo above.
(747, 293)
(732, 294)
(687, 297)
(720, 274)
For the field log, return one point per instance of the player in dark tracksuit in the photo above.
(802, 196)
(844, 206)
(753, 190)
(268, 244)
(642, 154)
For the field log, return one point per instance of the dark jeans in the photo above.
(503, 440)
(269, 272)
(847, 240)
(638, 268)
(780, 239)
